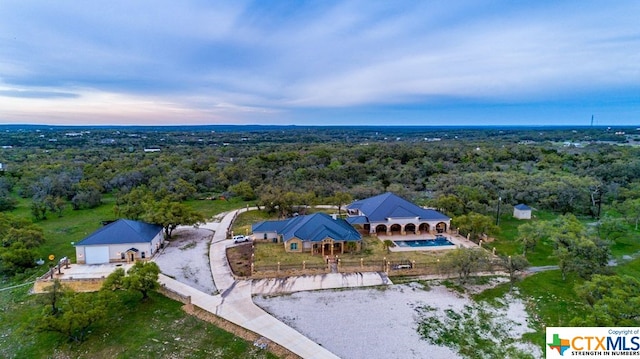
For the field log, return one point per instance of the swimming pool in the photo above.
(438, 242)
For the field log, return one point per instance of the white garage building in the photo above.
(121, 241)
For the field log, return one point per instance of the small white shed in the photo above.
(522, 211)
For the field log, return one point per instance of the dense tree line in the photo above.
(466, 171)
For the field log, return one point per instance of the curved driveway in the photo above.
(234, 302)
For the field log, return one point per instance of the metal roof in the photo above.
(522, 207)
(357, 220)
(314, 227)
(389, 205)
(122, 231)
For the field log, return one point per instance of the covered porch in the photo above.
(420, 228)
(330, 247)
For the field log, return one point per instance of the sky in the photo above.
(419, 63)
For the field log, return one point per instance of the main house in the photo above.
(121, 241)
(391, 215)
(317, 233)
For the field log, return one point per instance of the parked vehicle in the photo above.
(240, 239)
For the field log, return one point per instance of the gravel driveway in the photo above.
(186, 258)
(354, 323)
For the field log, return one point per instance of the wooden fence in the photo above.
(393, 268)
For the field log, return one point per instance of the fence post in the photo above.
(304, 265)
(252, 269)
(361, 263)
(278, 267)
(189, 305)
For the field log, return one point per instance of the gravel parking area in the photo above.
(186, 258)
(374, 323)
(358, 323)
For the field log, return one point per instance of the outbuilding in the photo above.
(121, 241)
(522, 211)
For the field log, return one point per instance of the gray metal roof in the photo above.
(122, 231)
(389, 205)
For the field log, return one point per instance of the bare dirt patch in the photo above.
(239, 258)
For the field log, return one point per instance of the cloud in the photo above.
(36, 94)
(257, 61)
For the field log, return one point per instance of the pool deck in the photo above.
(457, 240)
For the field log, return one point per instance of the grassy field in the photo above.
(156, 328)
(506, 242)
(73, 226)
(244, 221)
(160, 322)
(626, 244)
(550, 301)
(631, 268)
(373, 250)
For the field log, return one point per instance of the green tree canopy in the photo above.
(142, 277)
(513, 265)
(575, 250)
(475, 224)
(76, 314)
(243, 190)
(615, 301)
(530, 234)
(340, 199)
(19, 239)
(170, 215)
(450, 204)
(465, 261)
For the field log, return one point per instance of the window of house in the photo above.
(142, 255)
(122, 255)
(294, 246)
(265, 236)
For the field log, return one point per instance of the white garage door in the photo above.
(97, 255)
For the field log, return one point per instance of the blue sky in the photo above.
(320, 62)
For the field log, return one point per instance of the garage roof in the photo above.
(122, 231)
